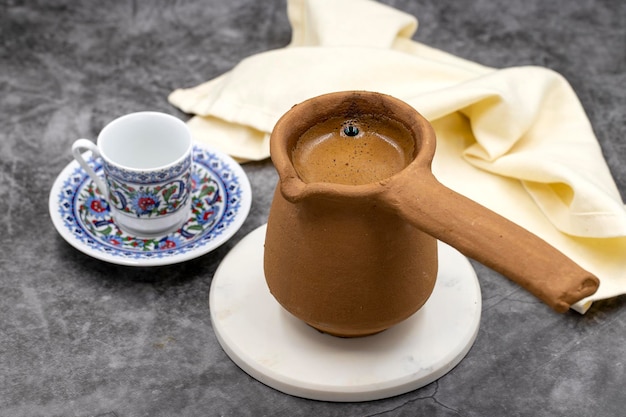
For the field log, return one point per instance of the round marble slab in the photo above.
(284, 353)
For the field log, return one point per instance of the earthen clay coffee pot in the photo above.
(351, 237)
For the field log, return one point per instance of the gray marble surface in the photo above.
(79, 337)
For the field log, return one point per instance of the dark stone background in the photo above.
(79, 337)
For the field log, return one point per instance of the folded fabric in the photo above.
(516, 140)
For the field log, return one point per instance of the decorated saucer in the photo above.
(221, 198)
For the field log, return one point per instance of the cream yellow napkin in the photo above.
(515, 140)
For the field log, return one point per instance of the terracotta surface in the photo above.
(353, 260)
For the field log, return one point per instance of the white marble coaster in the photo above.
(283, 352)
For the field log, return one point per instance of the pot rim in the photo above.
(350, 104)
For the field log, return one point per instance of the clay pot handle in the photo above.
(492, 240)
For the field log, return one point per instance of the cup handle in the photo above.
(491, 239)
(77, 151)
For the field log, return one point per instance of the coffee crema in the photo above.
(355, 151)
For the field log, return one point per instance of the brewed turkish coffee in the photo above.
(353, 152)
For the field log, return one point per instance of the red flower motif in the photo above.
(168, 244)
(146, 203)
(97, 206)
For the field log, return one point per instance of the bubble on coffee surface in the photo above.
(351, 130)
(354, 151)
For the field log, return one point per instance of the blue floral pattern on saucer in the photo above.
(220, 202)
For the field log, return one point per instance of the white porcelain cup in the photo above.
(147, 162)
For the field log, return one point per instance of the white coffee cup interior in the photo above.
(145, 140)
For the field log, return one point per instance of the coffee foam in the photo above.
(325, 153)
